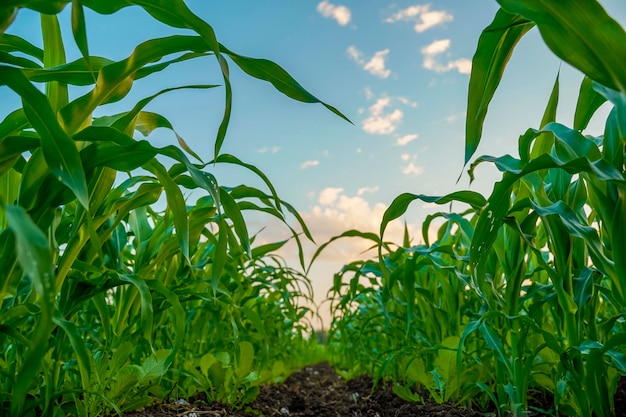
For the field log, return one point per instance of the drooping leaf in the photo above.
(582, 34)
(58, 148)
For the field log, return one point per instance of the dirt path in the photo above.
(317, 391)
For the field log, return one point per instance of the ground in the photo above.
(317, 391)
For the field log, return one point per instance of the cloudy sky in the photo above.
(398, 69)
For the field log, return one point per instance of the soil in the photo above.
(317, 391)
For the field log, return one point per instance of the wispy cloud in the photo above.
(432, 51)
(380, 122)
(273, 149)
(364, 190)
(375, 65)
(406, 101)
(424, 17)
(412, 169)
(308, 164)
(338, 12)
(403, 140)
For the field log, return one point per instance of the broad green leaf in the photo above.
(495, 343)
(11, 150)
(147, 312)
(79, 29)
(495, 46)
(13, 123)
(246, 358)
(54, 54)
(589, 100)
(543, 142)
(582, 34)
(155, 365)
(12, 43)
(42, 6)
(7, 16)
(58, 148)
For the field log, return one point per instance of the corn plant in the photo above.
(111, 297)
(530, 281)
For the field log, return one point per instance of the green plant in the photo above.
(103, 286)
(530, 280)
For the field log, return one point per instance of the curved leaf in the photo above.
(493, 52)
(58, 148)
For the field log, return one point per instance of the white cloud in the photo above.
(376, 64)
(380, 123)
(329, 195)
(308, 164)
(412, 169)
(368, 93)
(405, 156)
(338, 12)
(431, 19)
(424, 17)
(337, 212)
(359, 150)
(355, 54)
(438, 47)
(401, 141)
(364, 190)
(463, 65)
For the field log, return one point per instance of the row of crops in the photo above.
(111, 298)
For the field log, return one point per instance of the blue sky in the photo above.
(399, 70)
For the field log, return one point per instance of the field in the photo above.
(118, 293)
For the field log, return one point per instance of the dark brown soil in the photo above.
(317, 391)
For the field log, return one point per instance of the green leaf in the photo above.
(58, 148)
(12, 43)
(261, 251)
(266, 70)
(493, 52)
(35, 258)
(232, 211)
(582, 34)
(589, 100)
(115, 80)
(83, 356)
(54, 54)
(401, 203)
(545, 140)
(246, 358)
(7, 16)
(79, 29)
